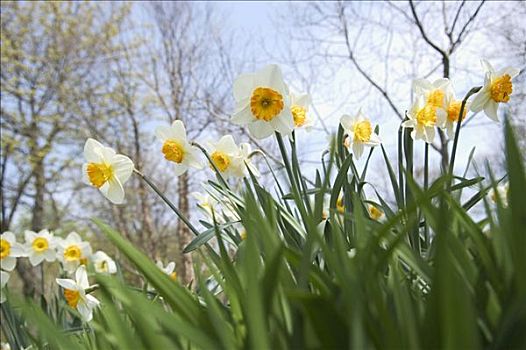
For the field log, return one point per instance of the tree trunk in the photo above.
(31, 278)
(185, 268)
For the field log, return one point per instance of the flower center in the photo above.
(5, 248)
(436, 98)
(99, 173)
(453, 111)
(243, 235)
(266, 103)
(72, 297)
(40, 244)
(501, 88)
(363, 131)
(340, 206)
(173, 276)
(427, 116)
(173, 151)
(72, 253)
(375, 213)
(220, 160)
(299, 114)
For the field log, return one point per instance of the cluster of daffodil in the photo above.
(435, 103)
(71, 252)
(265, 105)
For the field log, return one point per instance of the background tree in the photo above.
(48, 57)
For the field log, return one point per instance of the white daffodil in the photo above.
(177, 149)
(497, 89)
(9, 251)
(106, 170)
(103, 263)
(502, 192)
(360, 132)
(374, 212)
(169, 270)
(299, 106)
(453, 112)
(40, 246)
(72, 252)
(75, 294)
(423, 118)
(205, 202)
(263, 103)
(227, 158)
(4, 277)
(436, 94)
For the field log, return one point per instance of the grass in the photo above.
(429, 275)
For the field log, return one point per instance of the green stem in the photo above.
(167, 201)
(426, 185)
(221, 178)
(457, 132)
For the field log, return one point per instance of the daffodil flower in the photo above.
(103, 263)
(4, 277)
(106, 170)
(497, 89)
(169, 270)
(205, 202)
(177, 149)
(360, 133)
(9, 251)
(227, 157)
(72, 252)
(374, 212)
(299, 106)
(453, 113)
(75, 294)
(40, 246)
(501, 192)
(263, 103)
(423, 118)
(436, 94)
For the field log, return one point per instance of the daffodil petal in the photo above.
(115, 191)
(123, 167)
(243, 86)
(8, 263)
(260, 129)
(67, 283)
(491, 110)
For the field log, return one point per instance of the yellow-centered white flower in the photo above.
(453, 113)
(4, 277)
(497, 89)
(106, 170)
(103, 263)
(436, 94)
(299, 106)
(205, 202)
(374, 212)
(360, 133)
(40, 246)
(72, 252)
(263, 103)
(229, 159)
(169, 270)
(423, 119)
(177, 149)
(9, 251)
(75, 294)
(501, 192)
